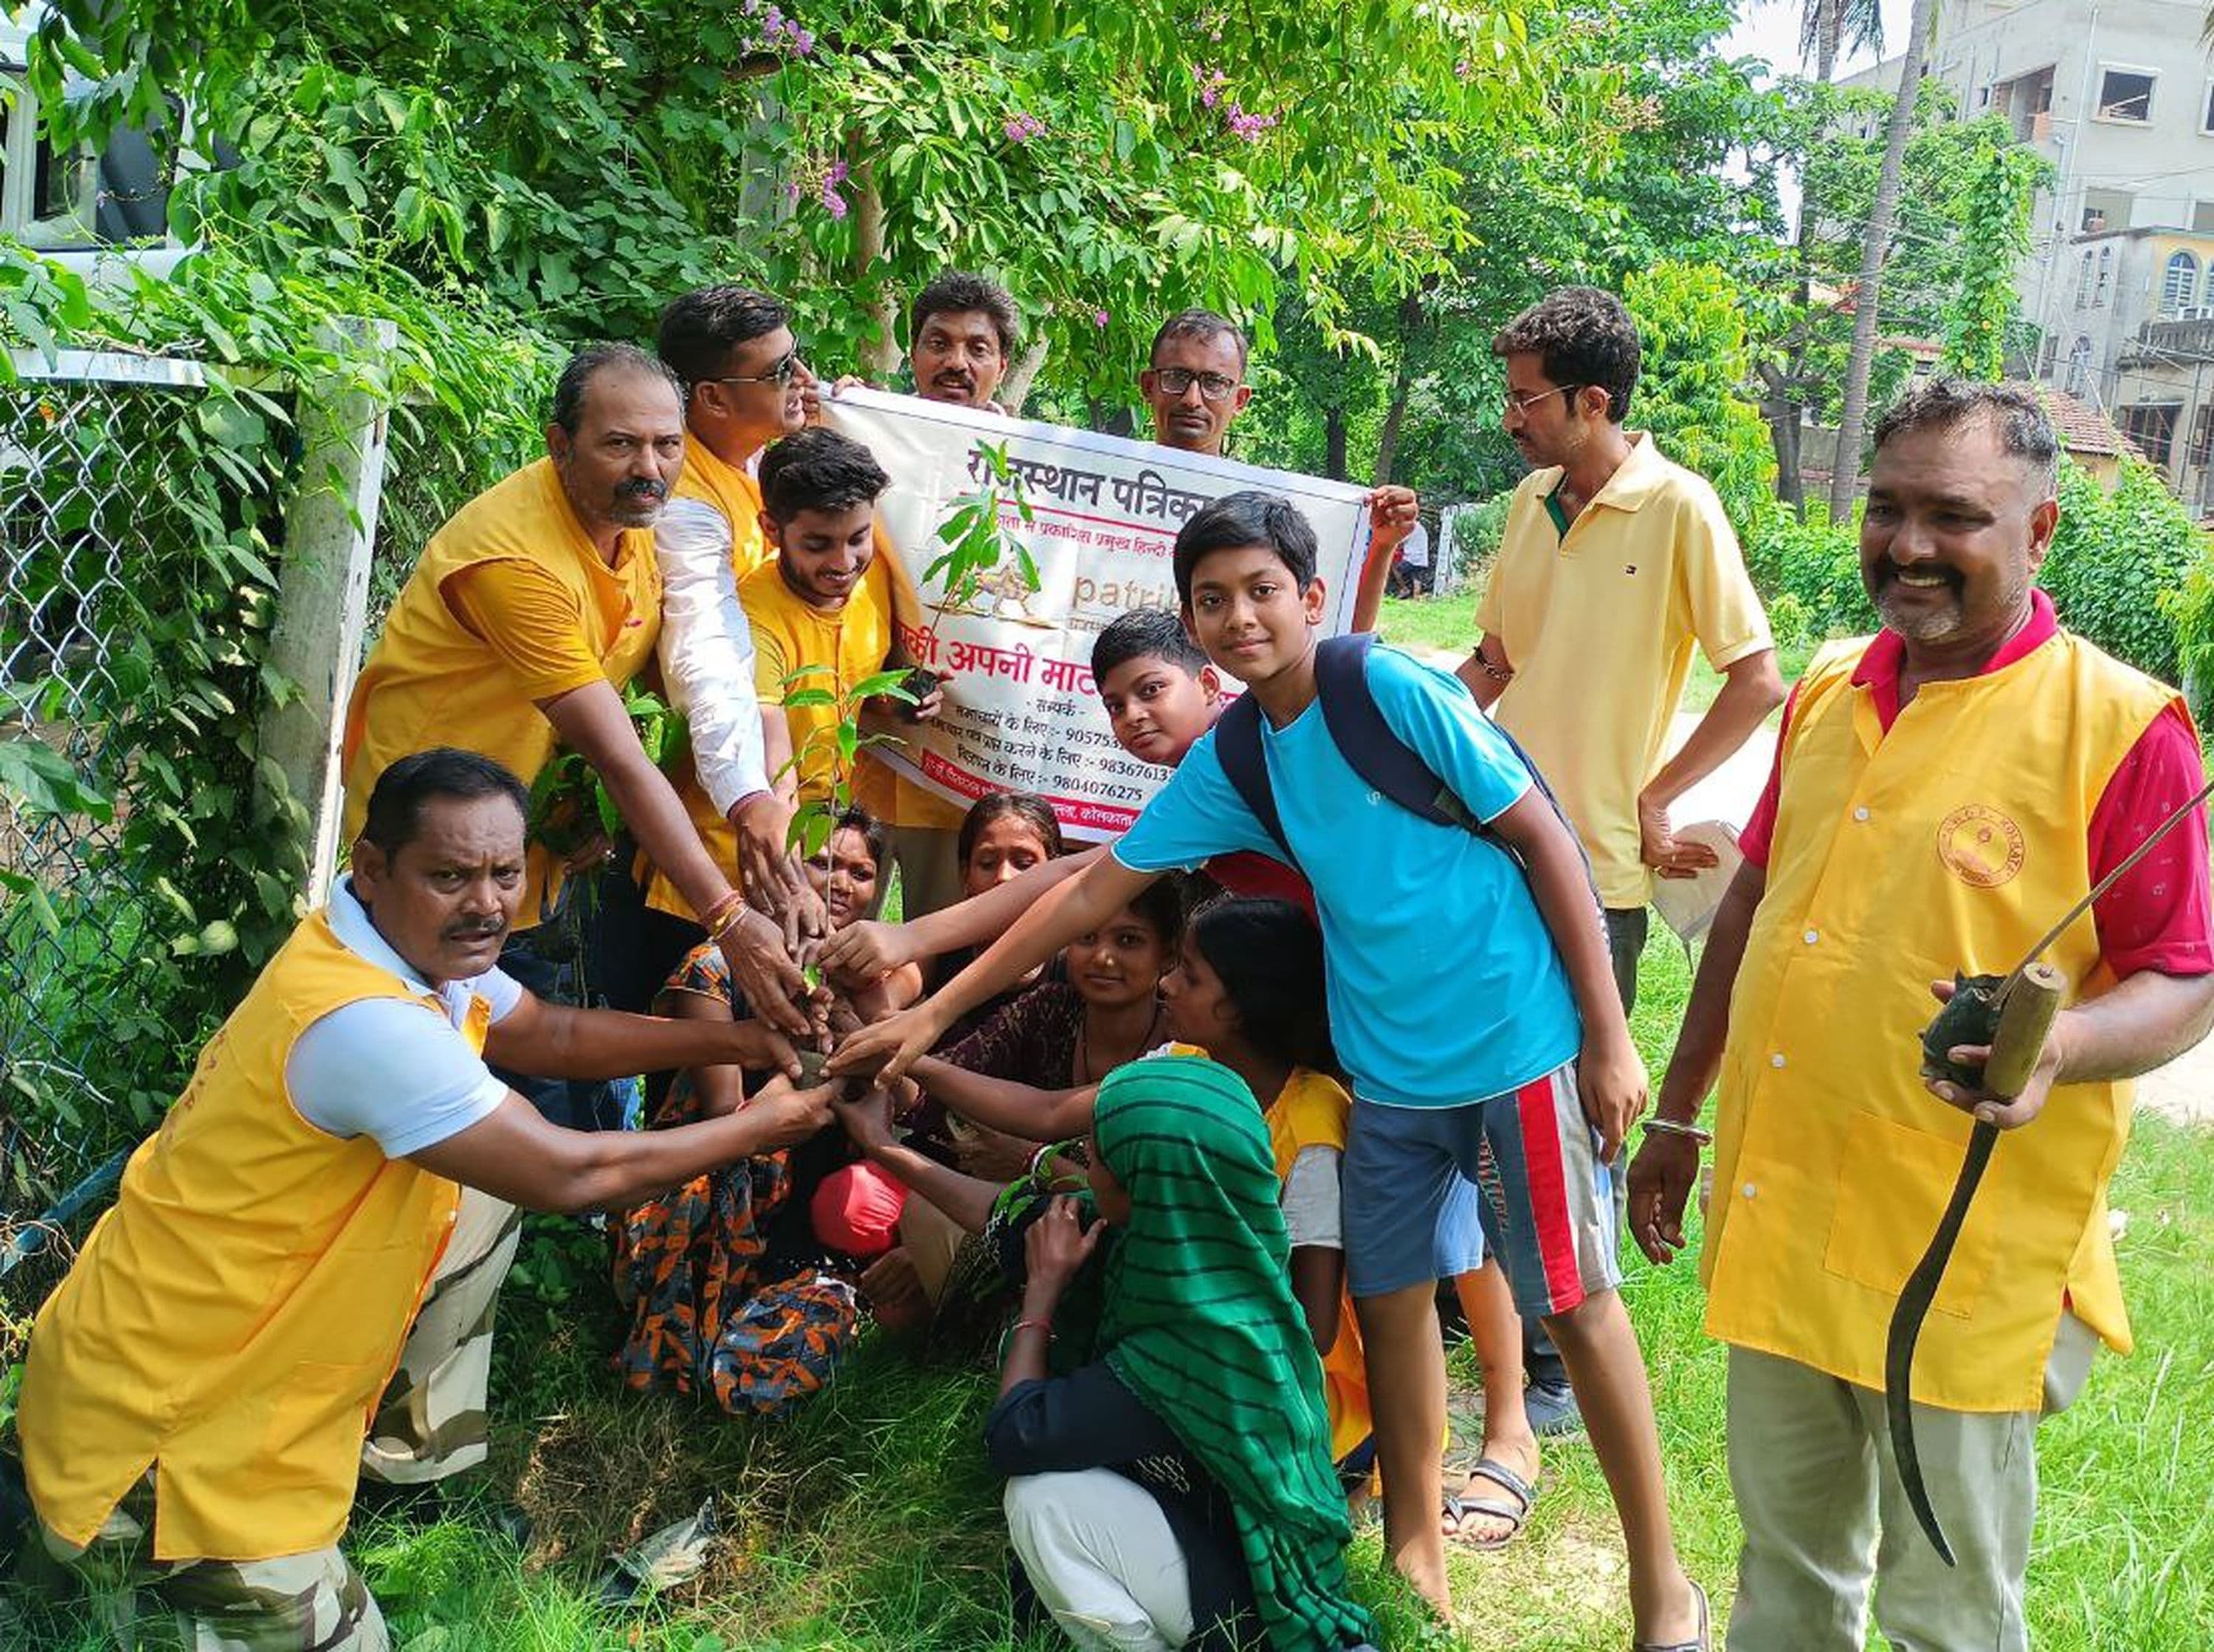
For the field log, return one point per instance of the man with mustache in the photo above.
(194, 1404)
(1613, 563)
(525, 616)
(961, 332)
(1942, 792)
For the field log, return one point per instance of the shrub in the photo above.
(1476, 533)
(2117, 561)
(1809, 575)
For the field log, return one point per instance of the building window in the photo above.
(2125, 95)
(2202, 435)
(2105, 275)
(2207, 111)
(2079, 363)
(2083, 283)
(2179, 284)
(2152, 427)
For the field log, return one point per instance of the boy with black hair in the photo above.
(825, 601)
(1472, 1003)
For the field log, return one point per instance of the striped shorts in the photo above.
(1427, 1190)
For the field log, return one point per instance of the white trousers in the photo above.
(1099, 1553)
(1825, 1512)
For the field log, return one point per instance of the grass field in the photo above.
(869, 1519)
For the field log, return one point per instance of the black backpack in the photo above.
(1371, 749)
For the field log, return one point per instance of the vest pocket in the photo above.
(1893, 1183)
(315, 1429)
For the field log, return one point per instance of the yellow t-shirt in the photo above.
(854, 641)
(1598, 625)
(236, 1312)
(510, 604)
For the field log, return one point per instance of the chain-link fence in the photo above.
(104, 547)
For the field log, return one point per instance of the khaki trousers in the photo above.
(1825, 1513)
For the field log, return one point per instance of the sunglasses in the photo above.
(779, 374)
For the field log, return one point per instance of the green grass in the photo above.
(869, 1522)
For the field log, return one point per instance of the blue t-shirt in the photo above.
(1445, 985)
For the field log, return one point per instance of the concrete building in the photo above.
(2119, 94)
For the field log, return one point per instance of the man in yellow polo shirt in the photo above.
(1614, 562)
(1942, 793)
(198, 1390)
(526, 615)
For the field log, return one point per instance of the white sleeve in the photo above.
(394, 1070)
(500, 991)
(706, 650)
(1310, 1199)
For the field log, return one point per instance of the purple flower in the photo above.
(803, 43)
(833, 202)
(1100, 318)
(838, 173)
(1247, 125)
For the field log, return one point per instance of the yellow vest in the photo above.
(1952, 841)
(429, 681)
(736, 497)
(733, 495)
(233, 1319)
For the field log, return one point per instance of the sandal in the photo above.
(1515, 1513)
(1704, 1641)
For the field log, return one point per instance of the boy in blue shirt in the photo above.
(1472, 999)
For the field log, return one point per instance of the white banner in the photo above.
(1021, 710)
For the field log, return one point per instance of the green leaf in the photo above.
(48, 783)
(805, 698)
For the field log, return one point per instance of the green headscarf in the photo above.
(1201, 1323)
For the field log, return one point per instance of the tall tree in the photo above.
(1828, 28)
(1844, 480)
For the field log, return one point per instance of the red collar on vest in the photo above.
(1878, 668)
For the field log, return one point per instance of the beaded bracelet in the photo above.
(1045, 1326)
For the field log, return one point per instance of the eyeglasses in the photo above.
(1174, 380)
(780, 375)
(1523, 403)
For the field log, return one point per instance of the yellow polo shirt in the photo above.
(1950, 841)
(509, 604)
(1598, 625)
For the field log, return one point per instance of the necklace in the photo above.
(1146, 1041)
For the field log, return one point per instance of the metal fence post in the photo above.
(330, 526)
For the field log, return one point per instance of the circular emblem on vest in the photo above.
(1981, 846)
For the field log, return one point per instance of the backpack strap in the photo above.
(1369, 745)
(1237, 748)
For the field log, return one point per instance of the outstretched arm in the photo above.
(1082, 904)
(1001, 1104)
(867, 950)
(514, 1155)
